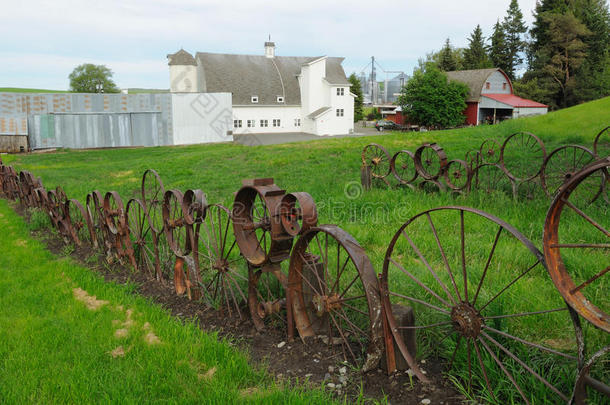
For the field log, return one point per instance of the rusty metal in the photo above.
(430, 161)
(584, 379)
(489, 152)
(403, 168)
(522, 155)
(257, 224)
(79, 223)
(435, 264)
(457, 175)
(377, 158)
(177, 231)
(333, 286)
(267, 289)
(489, 178)
(153, 194)
(298, 213)
(141, 236)
(601, 144)
(572, 282)
(194, 206)
(116, 223)
(561, 164)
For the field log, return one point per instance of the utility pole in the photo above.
(373, 80)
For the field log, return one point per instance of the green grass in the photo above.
(23, 90)
(329, 170)
(54, 349)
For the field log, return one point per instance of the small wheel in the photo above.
(473, 159)
(469, 276)
(54, 209)
(141, 236)
(561, 164)
(177, 231)
(522, 155)
(577, 244)
(194, 206)
(489, 152)
(61, 195)
(601, 145)
(78, 222)
(257, 224)
(41, 198)
(222, 270)
(377, 158)
(490, 178)
(457, 175)
(403, 167)
(298, 213)
(153, 193)
(430, 161)
(335, 294)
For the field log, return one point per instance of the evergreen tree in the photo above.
(514, 28)
(447, 61)
(475, 56)
(356, 89)
(498, 52)
(539, 31)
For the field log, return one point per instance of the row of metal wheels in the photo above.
(475, 282)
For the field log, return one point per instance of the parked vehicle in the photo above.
(384, 124)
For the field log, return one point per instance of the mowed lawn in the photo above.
(66, 336)
(330, 171)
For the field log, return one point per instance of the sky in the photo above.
(42, 41)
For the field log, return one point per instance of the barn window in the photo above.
(280, 99)
(487, 85)
(503, 86)
(254, 99)
(264, 123)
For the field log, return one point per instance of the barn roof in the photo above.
(181, 57)
(515, 101)
(474, 79)
(256, 75)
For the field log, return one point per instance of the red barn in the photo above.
(491, 98)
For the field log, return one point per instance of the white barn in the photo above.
(271, 94)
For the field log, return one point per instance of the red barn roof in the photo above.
(514, 101)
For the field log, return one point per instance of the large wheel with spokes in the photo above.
(223, 271)
(177, 232)
(141, 236)
(522, 155)
(457, 175)
(403, 167)
(489, 152)
(579, 261)
(78, 222)
(561, 164)
(153, 193)
(469, 277)
(430, 161)
(378, 159)
(335, 294)
(490, 178)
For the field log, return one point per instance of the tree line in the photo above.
(563, 59)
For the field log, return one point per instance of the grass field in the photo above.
(66, 336)
(329, 170)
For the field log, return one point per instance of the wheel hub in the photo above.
(466, 320)
(324, 303)
(220, 265)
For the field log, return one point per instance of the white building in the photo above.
(271, 94)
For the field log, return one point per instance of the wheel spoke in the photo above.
(509, 285)
(589, 281)
(491, 253)
(420, 283)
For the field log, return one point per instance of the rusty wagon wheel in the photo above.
(176, 229)
(78, 222)
(430, 161)
(141, 237)
(61, 194)
(257, 225)
(490, 178)
(489, 152)
(473, 158)
(95, 209)
(41, 198)
(298, 213)
(403, 168)
(601, 144)
(115, 221)
(469, 277)
(194, 206)
(335, 295)
(377, 158)
(457, 175)
(223, 271)
(522, 155)
(579, 262)
(153, 193)
(561, 164)
(53, 208)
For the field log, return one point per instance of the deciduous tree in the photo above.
(89, 78)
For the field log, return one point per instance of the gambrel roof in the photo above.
(474, 79)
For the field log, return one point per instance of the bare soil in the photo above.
(312, 362)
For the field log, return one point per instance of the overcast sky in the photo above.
(42, 41)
